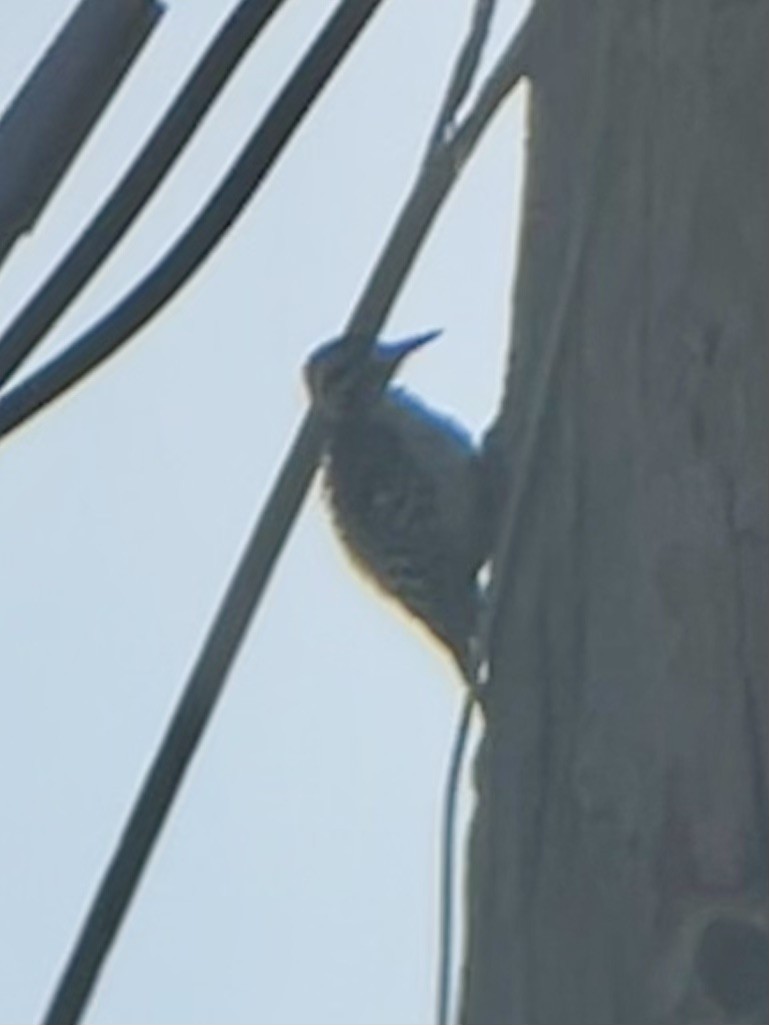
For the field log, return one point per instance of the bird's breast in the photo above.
(400, 483)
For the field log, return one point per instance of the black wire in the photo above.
(133, 191)
(233, 616)
(208, 676)
(164, 778)
(506, 73)
(448, 850)
(465, 69)
(177, 266)
(61, 101)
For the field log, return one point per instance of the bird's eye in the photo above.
(337, 376)
(342, 373)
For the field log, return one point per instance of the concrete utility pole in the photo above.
(618, 864)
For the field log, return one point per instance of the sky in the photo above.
(296, 881)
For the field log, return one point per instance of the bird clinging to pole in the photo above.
(404, 485)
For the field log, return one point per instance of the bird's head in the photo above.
(346, 375)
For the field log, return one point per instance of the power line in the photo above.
(51, 116)
(137, 185)
(208, 676)
(165, 776)
(182, 260)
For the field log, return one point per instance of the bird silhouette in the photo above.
(404, 485)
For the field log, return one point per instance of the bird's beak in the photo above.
(397, 351)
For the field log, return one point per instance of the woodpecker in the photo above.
(404, 486)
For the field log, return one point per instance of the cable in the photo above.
(465, 69)
(60, 102)
(184, 258)
(137, 185)
(506, 73)
(448, 850)
(208, 676)
(164, 778)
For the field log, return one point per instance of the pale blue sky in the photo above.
(297, 880)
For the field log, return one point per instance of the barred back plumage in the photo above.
(404, 487)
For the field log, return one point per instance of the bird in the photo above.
(404, 486)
